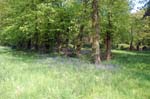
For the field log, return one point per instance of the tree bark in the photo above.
(79, 42)
(131, 42)
(108, 38)
(36, 44)
(58, 38)
(138, 46)
(29, 44)
(108, 46)
(96, 31)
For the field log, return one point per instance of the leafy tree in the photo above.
(67, 25)
(115, 23)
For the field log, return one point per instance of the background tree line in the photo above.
(67, 26)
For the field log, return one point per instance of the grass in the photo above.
(33, 76)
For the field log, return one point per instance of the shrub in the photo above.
(123, 46)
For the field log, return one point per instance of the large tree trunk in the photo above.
(96, 31)
(131, 45)
(138, 46)
(108, 38)
(108, 47)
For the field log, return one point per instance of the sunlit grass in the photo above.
(33, 76)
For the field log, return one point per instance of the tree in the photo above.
(114, 24)
(96, 31)
(65, 26)
(139, 31)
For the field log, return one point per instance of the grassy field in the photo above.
(33, 76)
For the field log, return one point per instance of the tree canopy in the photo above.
(67, 26)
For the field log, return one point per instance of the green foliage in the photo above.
(123, 46)
(119, 20)
(40, 23)
(50, 25)
(140, 29)
(43, 23)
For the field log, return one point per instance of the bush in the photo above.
(123, 46)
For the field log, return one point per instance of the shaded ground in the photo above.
(33, 76)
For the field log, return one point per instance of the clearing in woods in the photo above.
(33, 76)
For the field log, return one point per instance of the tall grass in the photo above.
(33, 76)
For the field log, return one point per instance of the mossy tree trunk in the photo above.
(96, 32)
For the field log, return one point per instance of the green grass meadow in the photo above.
(35, 76)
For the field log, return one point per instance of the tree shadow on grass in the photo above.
(132, 57)
(135, 63)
